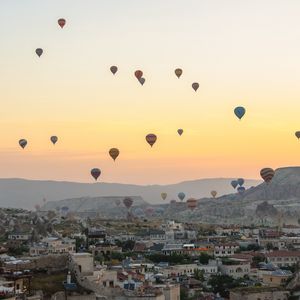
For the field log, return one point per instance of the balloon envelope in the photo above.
(178, 72)
(267, 174)
(239, 112)
(95, 173)
(39, 52)
(181, 196)
(114, 69)
(22, 143)
(151, 139)
(241, 189)
(118, 202)
(195, 86)
(214, 193)
(61, 22)
(297, 134)
(114, 153)
(234, 183)
(53, 139)
(164, 196)
(240, 181)
(138, 74)
(180, 131)
(127, 202)
(142, 80)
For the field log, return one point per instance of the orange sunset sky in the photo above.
(241, 53)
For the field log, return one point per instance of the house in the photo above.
(283, 258)
(210, 269)
(277, 278)
(226, 249)
(19, 236)
(235, 268)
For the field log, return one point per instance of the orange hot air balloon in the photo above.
(96, 173)
(114, 153)
(164, 196)
(178, 72)
(151, 139)
(267, 174)
(61, 22)
(214, 193)
(114, 69)
(180, 131)
(191, 203)
(138, 74)
(142, 80)
(23, 143)
(195, 86)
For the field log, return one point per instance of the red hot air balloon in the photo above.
(22, 143)
(53, 139)
(151, 139)
(114, 153)
(267, 174)
(95, 173)
(114, 69)
(138, 74)
(195, 86)
(180, 131)
(178, 72)
(127, 202)
(61, 22)
(191, 203)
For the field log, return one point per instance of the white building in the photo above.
(226, 249)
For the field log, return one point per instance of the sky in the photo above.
(242, 53)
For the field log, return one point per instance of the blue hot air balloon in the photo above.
(241, 181)
(234, 183)
(181, 196)
(239, 112)
(241, 190)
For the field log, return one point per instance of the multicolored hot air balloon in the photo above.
(22, 143)
(96, 173)
(267, 174)
(240, 181)
(39, 52)
(54, 139)
(138, 74)
(195, 86)
(239, 112)
(114, 69)
(178, 72)
(164, 196)
(61, 22)
(128, 202)
(151, 139)
(297, 134)
(241, 189)
(234, 183)
(214, 193)
(114, 153)
(180, 131)
(181, 196)
(191, 203)
(142, 80)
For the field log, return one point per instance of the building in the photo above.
(210, 269)
(259, 293)
(19, 236)
(283, 258)
(277, 278)
(84, 261)
(226, 249)
(235, 268)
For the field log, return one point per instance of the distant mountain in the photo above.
(21, 193)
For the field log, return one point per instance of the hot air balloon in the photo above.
(214, 193)
(22, 143)
(138, 212)
(297, 134)
(149, 211)
(37, 207)
(127, 202)
(114, 69)
(138, 74)
(53, 139)
(142, 80)
(95, 173)
(267, 174)
(239, 112)
(180, 131)
(164, 196)
(181, 196)
(240, 181)
(39, 52)
(118, 202)
(195, 86)
(241, 189)
(234, 183)
(114, 153)
(151, 139)
(64, 209)
(191, 203)
(61, 22)
(178, 72)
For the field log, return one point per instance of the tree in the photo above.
(204, 258)
(199, 275)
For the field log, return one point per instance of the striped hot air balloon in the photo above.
(267, 174)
